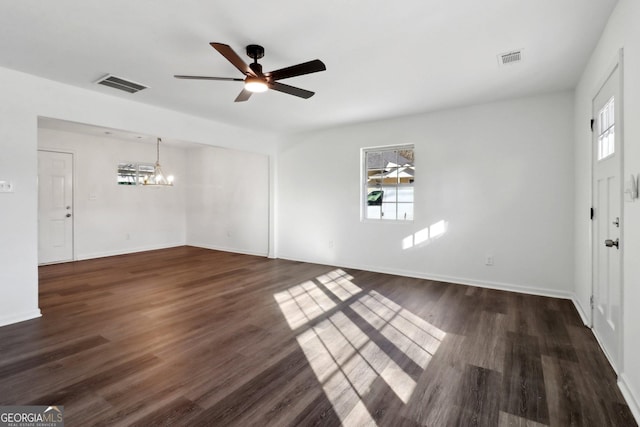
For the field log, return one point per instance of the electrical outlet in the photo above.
(488, 260)
(330, 244)
(6, 187)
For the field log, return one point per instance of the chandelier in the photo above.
(158, 177)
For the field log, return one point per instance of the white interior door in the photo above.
(607, 221)
(55, 207)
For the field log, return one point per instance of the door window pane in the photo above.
(606, 130)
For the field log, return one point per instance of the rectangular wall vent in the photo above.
(510, 57)
(121, 84)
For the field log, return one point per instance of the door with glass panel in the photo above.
(607, 218)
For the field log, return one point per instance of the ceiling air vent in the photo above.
(120, 83)
(508, 58)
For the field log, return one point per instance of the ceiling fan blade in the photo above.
(229, 79)
(226, 51)
(291, 90)
(297, 70)
(243, 96)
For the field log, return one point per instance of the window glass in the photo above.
(127, 174)
(388, 178)
(606, 130)
(134, 173)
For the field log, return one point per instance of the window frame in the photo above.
(365, 186)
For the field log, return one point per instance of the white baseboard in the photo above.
(94, 255)
(531, 290)
(631, 396)
(227, 249)
(20, 317)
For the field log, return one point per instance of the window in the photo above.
(606, 130)
(388, 175)
(134, 173)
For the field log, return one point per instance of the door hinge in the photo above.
(592, 214)
(591, 301)
(592, 123)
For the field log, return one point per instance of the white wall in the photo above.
(499, 174)
(220, 199)
(112, 219)
(622, 31)
(18, 226)
(24, 99)
(228, 200)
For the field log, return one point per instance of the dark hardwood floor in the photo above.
(189, 336)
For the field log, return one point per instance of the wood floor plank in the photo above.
(524, 392)
(190, 336)
(509, 420)
(180, 411)
(95, 382)
(319, 413)
(487, 345)
(562, 383)
(26, 363)
(240, 403)
(434, 399)
(479, 404)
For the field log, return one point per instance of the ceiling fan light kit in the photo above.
(254, 84)
(257, 81)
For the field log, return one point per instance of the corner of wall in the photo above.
(581, 311)
(20, 317)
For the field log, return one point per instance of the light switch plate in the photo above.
(6, 187)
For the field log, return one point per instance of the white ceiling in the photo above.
(383, 58)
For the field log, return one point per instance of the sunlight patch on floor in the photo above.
(340, 284)
(303, 303)
(347, 361)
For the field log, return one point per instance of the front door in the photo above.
(55, 207)
(607, 222)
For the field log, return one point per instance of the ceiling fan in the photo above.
(257, 81)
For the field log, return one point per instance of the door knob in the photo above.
(68, 215)
(608, 243)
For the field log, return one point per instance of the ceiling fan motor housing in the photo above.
(256, 68)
